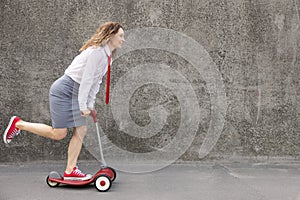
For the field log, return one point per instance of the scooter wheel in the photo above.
(102, 183)
(114, 172)
(51, 183)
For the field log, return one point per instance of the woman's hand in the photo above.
(85, 113)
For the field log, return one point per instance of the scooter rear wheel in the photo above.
(51, 183)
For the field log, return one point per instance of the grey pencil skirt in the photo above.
(64, 106)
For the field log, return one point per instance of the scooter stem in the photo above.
(94, 115)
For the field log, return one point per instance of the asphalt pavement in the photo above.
(195, 181)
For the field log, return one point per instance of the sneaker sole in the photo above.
(77, 179)
(7, 129)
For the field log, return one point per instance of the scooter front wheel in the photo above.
(114, 173)
(102, 183)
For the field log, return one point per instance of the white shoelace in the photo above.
(14, 133)
(77, 172)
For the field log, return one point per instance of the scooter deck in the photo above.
(72, 182)
(103, 171)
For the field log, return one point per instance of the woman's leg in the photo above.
(75, 147)
(42, 130)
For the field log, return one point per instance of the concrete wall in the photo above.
(214, 79)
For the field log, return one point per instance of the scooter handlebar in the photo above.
(94, 115)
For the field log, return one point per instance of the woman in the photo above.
(72, 96)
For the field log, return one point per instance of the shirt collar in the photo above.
(107, 50)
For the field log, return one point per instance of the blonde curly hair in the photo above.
(102, 35)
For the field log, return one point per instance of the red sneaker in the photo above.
(77, 175)
(11, 130)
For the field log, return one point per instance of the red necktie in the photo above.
(108, 80)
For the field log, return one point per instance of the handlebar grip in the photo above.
(94, 115)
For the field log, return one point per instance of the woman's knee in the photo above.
(80, 131)
(59, 134)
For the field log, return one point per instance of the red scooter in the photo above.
(102, 179)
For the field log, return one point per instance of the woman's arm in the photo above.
(88, 79)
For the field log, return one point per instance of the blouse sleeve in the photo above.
(92, 96)
(88, 79)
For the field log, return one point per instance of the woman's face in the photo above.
(118, 39)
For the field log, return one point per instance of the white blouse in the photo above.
(88, 69)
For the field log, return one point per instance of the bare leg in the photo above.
(42, 130)
(75, 147)
(58, 134)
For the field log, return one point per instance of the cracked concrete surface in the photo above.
(207, 181)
